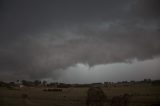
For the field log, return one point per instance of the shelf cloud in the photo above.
(41, 39)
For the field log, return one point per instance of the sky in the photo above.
(79, 41)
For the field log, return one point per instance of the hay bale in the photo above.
(121, 100)
(95, 97)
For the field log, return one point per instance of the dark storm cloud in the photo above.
(40, 38)
(147, 9)
(20, 17)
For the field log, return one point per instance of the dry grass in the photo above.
(142, 96)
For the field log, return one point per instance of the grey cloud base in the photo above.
(45, 39)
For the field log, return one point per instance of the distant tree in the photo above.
(17, 81)
(147, 80)
(133, 81)
(44, 83)
(27, 83)
(24, 82)
(3, 83)
(124, 81)
(37, 82)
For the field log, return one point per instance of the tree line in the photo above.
(38, 83)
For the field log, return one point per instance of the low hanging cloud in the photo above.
(38, 47)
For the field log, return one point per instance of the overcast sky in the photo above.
(79, 41)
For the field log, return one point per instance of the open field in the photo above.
(141, 96)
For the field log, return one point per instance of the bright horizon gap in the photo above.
(105, 71)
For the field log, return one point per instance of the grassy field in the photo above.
(141, 96)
